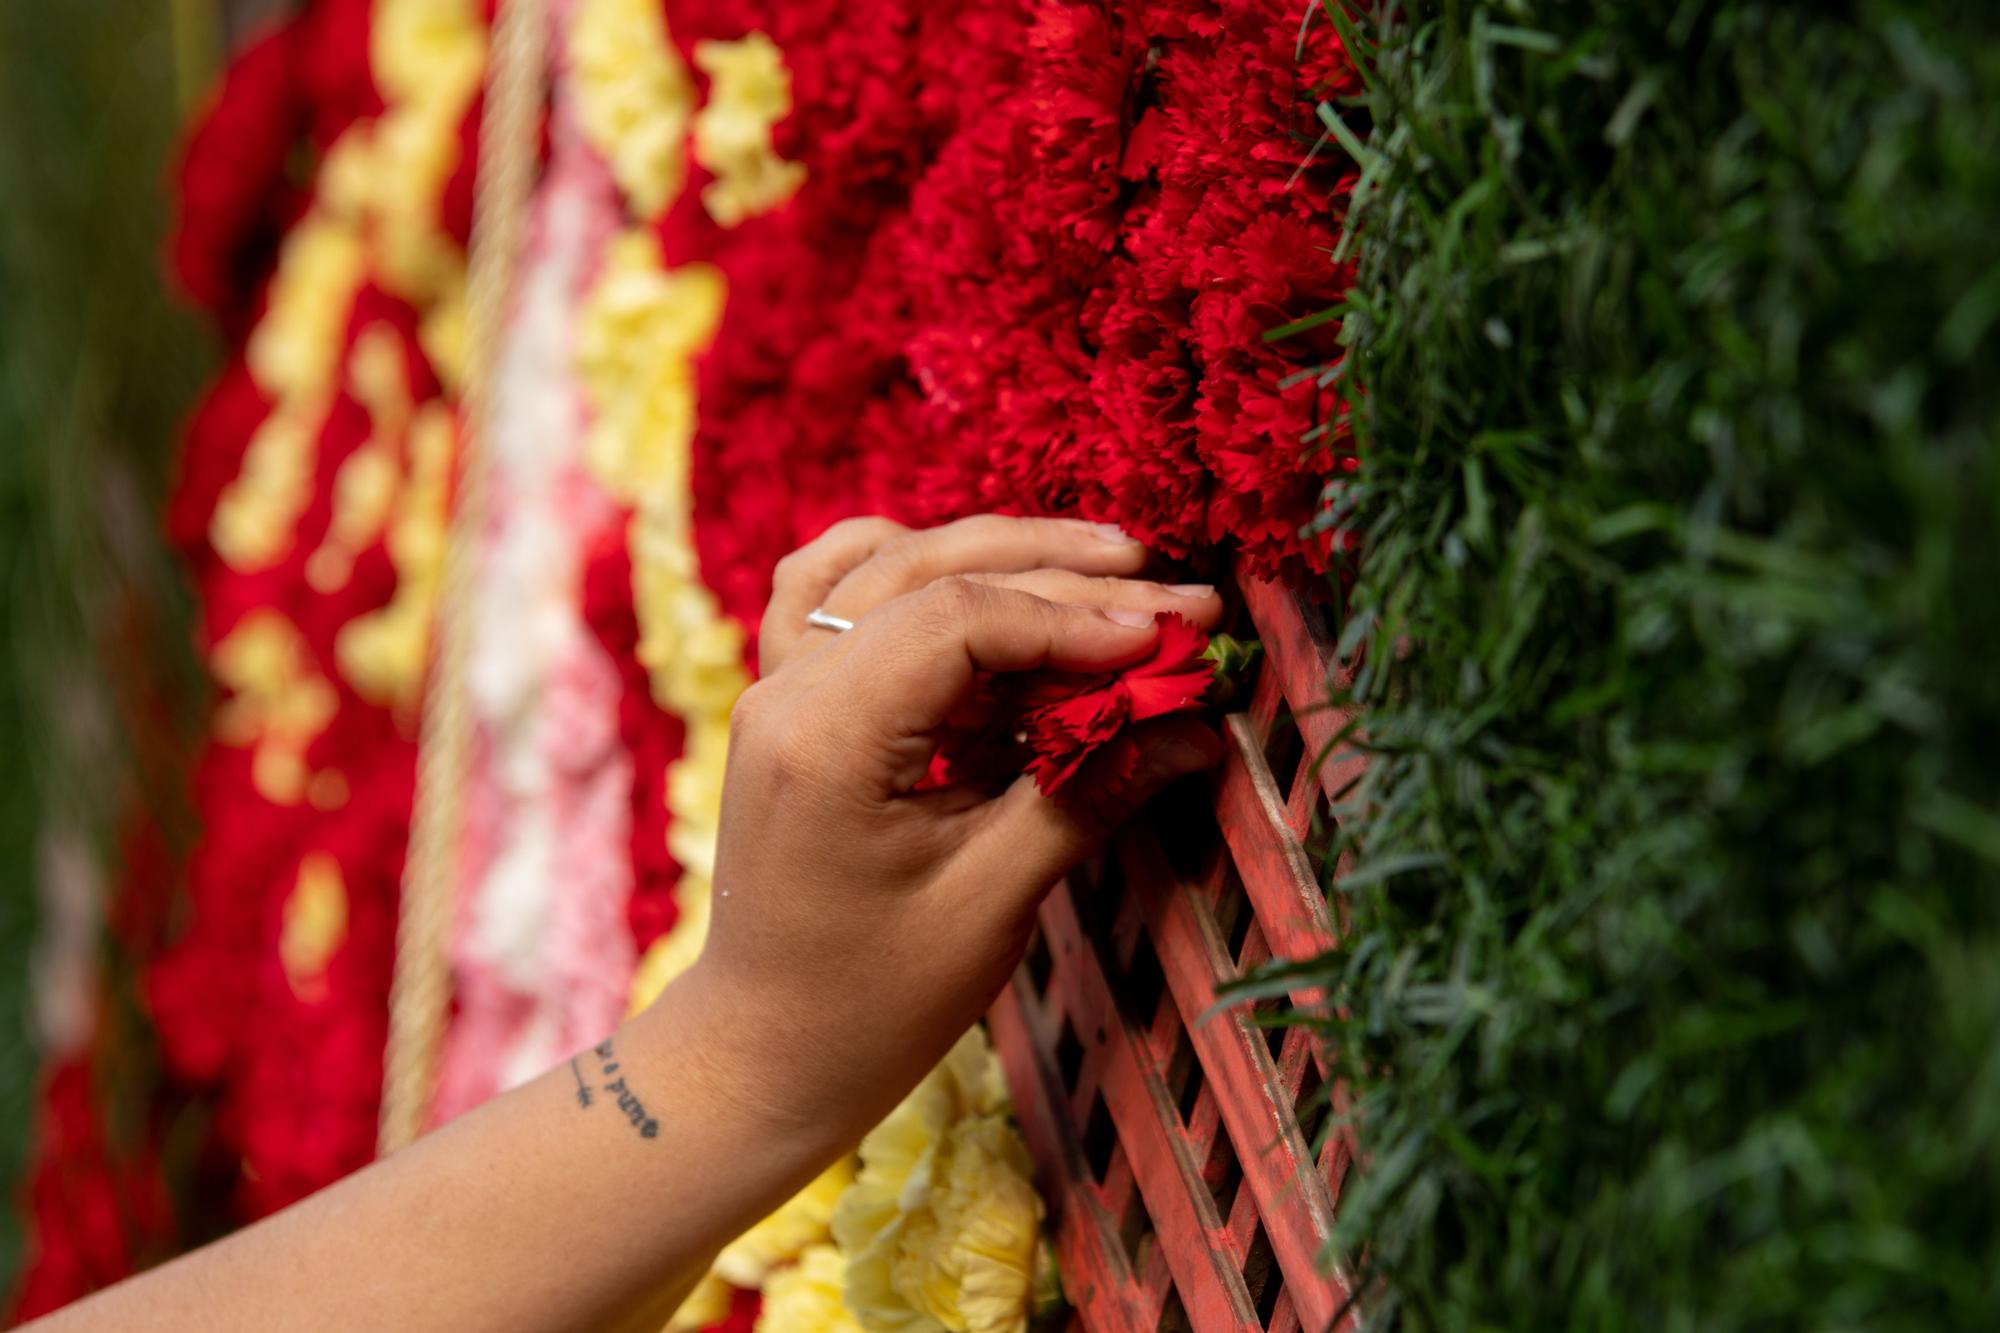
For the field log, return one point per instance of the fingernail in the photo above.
(1112, 533)
(1127, 616)
(1192, 590)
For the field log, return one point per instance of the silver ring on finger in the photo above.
(819, 619)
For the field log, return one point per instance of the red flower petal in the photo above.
(1175, 677)
(1071, 729)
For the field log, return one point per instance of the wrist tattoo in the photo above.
(613, 1084)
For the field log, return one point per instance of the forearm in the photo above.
(537, 1212)
(862, 919)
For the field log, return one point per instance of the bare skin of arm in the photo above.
(859, 927)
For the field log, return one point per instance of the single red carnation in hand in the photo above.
(1055, 723)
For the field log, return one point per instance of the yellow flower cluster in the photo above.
(375, 217)
(640, 329)
(364, 490)
(634, 97)
(315, 925)
(422, 49)
(785, 1234)
(809, 1297)
(943, 1224)
(749, 91)
(638, 334)
(767, 1250)
(388, 177)
(637, 105)
(294, 351)
(294, 356)
(428, 57)
(278, 705)
(382, 653)
(939, 1229)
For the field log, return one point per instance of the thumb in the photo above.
(1040, 840)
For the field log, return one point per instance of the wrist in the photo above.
(742, 1055)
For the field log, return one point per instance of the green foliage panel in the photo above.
(1672, 993)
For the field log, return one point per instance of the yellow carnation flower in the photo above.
(346, 185)
(442, 335)
(639, 330)
(315, 925)
(634, 97)
(364, 489)
(749, 91)
(693, 652)
(279, 702)
(799, 1222)
(256, 516)
(808, 1297)
(382, 653)
(416, 150)
(294, 354)
(426, 49)
(295, 348)
(941, 1227)
(694, 794)
(388, 174)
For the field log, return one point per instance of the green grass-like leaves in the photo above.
(1670, 997)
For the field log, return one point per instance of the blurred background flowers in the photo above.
(99, 693)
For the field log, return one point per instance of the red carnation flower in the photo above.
(1072, 729)
(1068, 717)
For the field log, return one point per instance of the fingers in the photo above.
(900, 672)
(1197, 602)
(986, 544)
(805, 577)
(1025, 838)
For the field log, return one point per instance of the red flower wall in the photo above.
(1031, 269)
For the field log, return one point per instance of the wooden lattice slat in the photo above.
(1186, 1194)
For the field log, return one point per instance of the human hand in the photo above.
(860, 926)
(861, 563)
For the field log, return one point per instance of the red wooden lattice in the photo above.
(1184, 1188)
